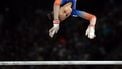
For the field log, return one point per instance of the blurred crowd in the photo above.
(24, 35)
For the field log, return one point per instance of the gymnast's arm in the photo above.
(85, 15)
(90, 32)
(56, 21)
(92, 18)
(56, 8)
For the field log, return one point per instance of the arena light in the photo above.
(60, 62)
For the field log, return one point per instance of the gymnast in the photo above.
(62, 9)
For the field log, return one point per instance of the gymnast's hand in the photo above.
(90, 32)
(55, 28)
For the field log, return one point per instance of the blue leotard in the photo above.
(75, 13)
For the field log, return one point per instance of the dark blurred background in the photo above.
(24, 36)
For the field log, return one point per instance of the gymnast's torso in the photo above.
(75, 13)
